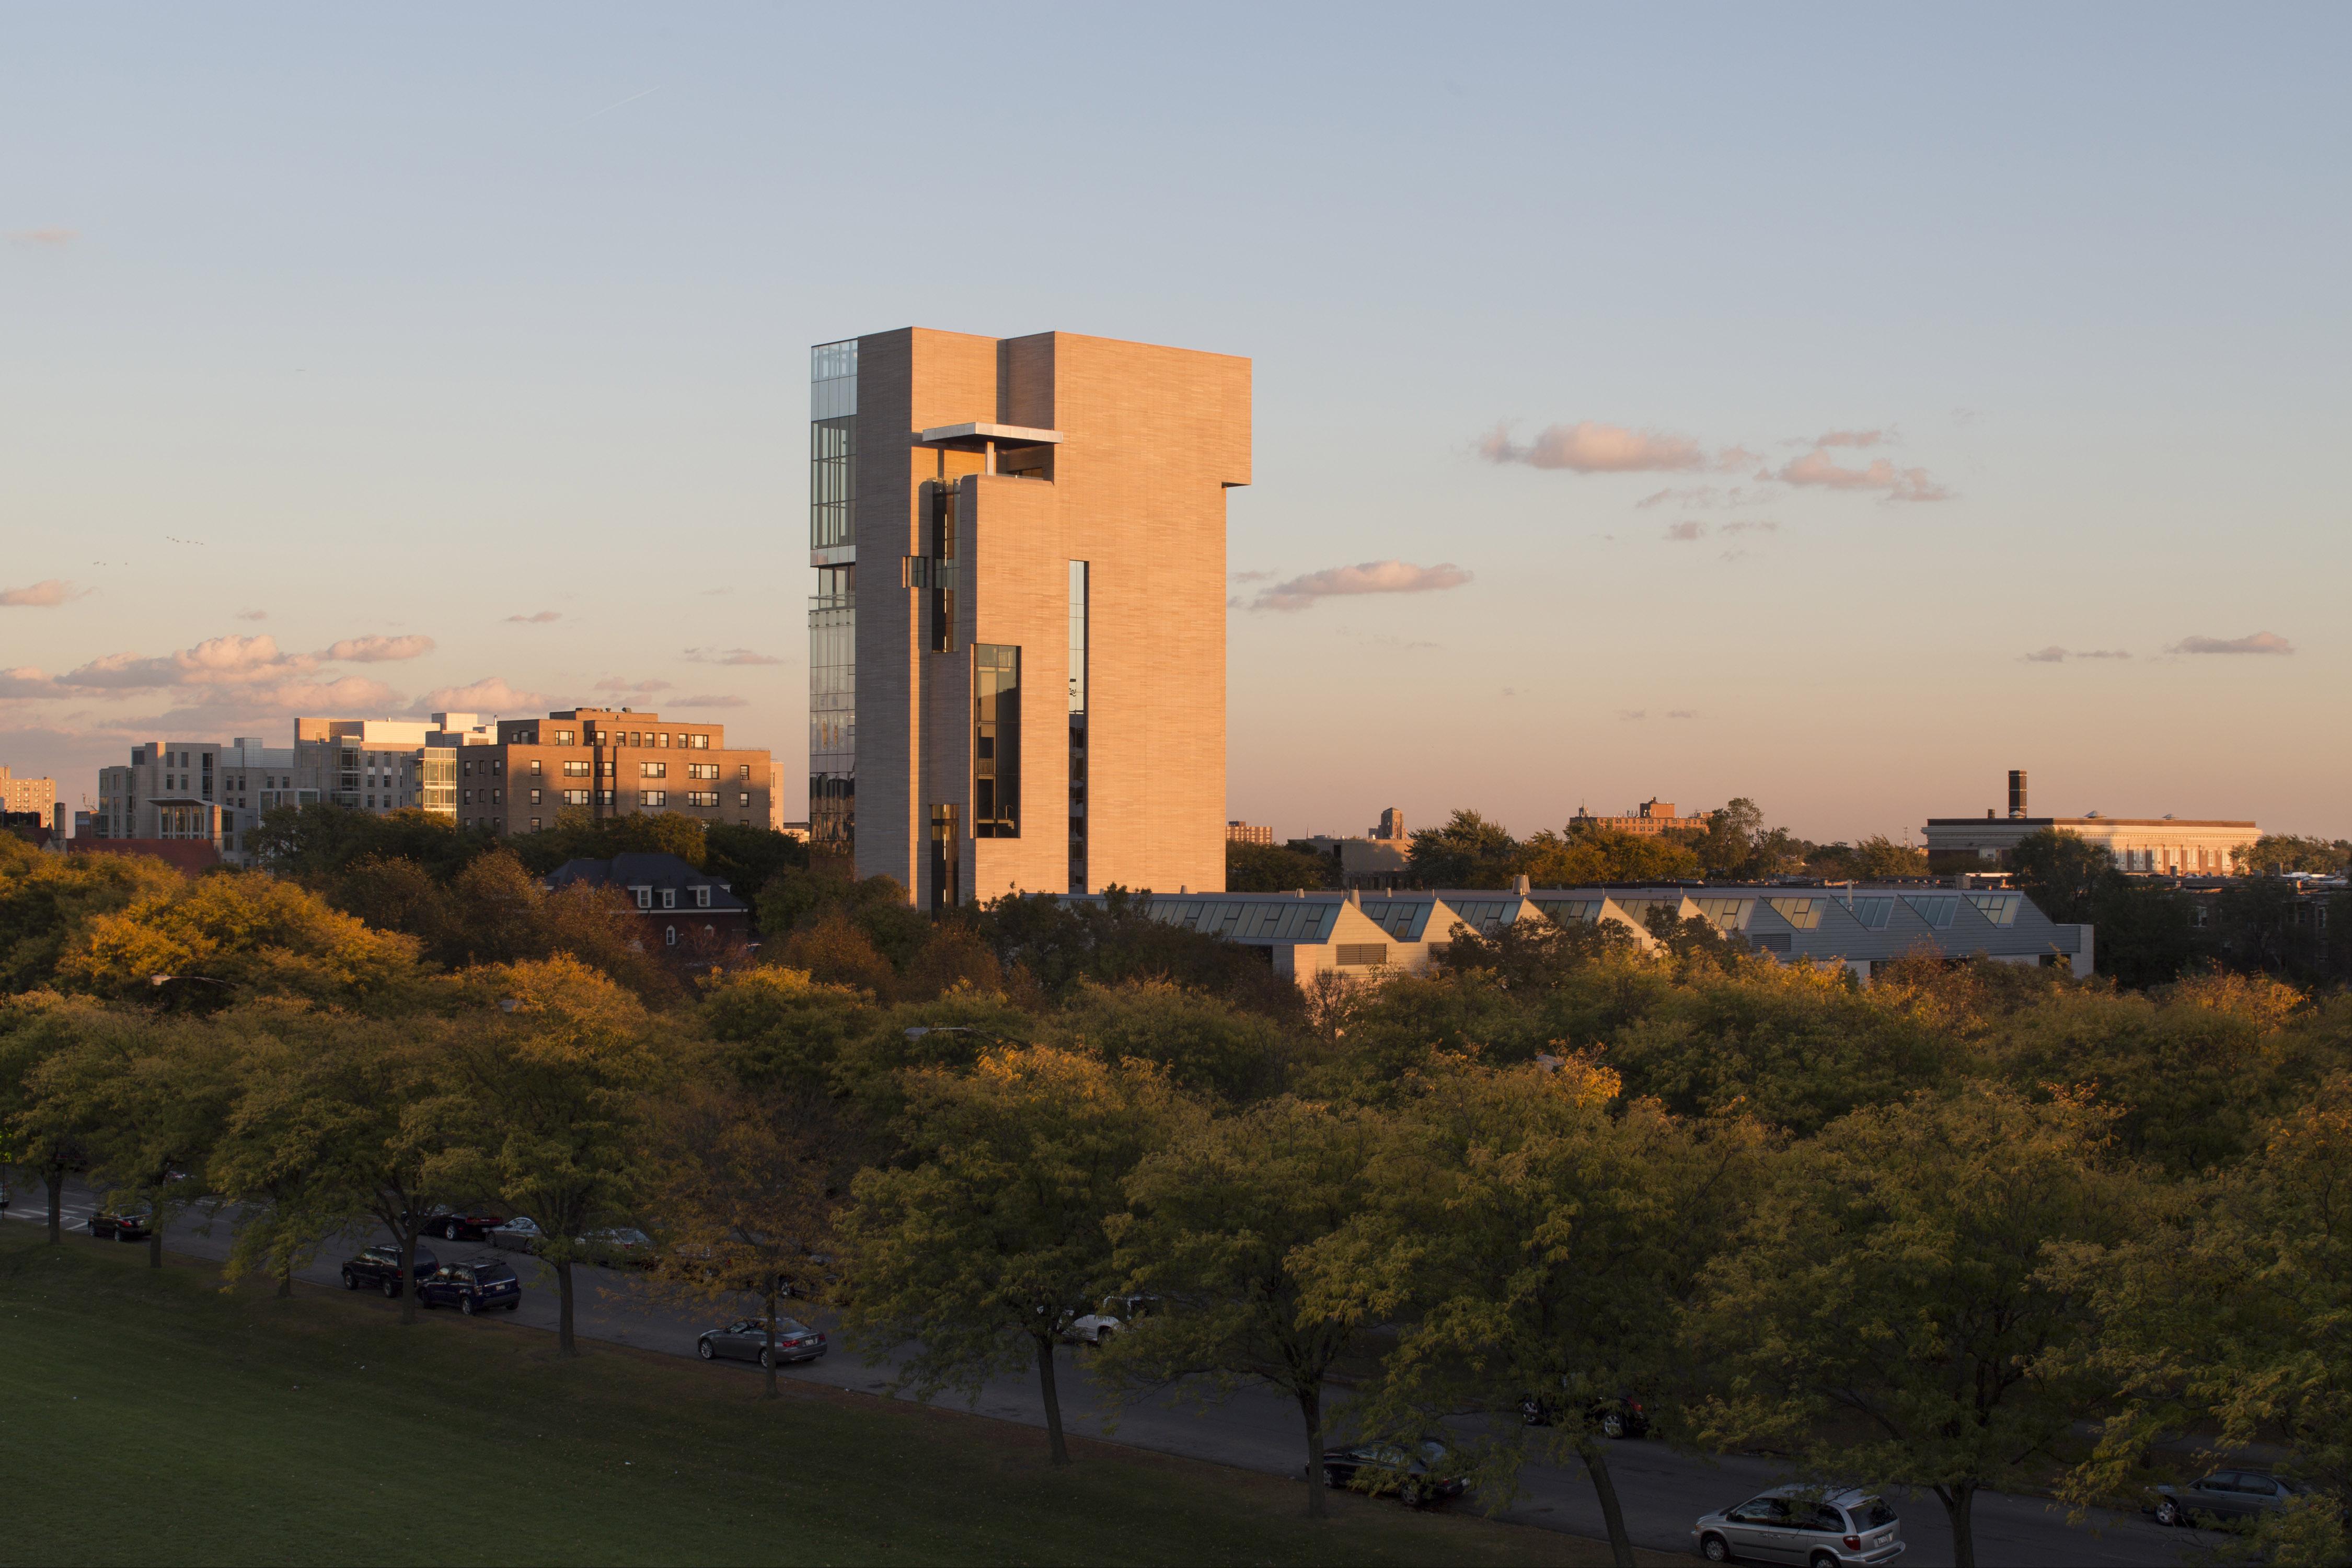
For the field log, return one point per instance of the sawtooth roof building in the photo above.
(1853, 926)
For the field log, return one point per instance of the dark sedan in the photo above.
(1418, 1475)
(455, 1225)
(746, 1339)
(2223, 1496)
(124, 1225)
(476, 1285)
(380, 1267)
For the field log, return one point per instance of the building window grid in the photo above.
(996, 741)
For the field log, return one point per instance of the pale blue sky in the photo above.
(427, 319)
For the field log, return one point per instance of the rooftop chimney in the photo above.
(2017, 792)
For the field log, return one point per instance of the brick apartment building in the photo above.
(609, 762)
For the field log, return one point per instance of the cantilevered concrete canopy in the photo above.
(978, 437)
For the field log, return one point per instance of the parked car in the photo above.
(380, 1266)
(1611, 1415)
(136, 1223)
(746, 1339)
(1112, 1314)
(519, 1234)
(1418, 1475)
(2221, 1497)
(619, 1247)
(1801, 1523)
(476, 1285)
(461, 1225)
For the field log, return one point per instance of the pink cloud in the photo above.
(708, 701)
(1683, 532)
(1588, 447)
(730, 656)
(1818, 468)
(53, 235)
(1854, 438)
(44, 595)
(378, 650)
(490, 695)
(1369, 577)
(2259, 642)
(539, 619)
(615, 683)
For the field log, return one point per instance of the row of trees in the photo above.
(1915, 1233)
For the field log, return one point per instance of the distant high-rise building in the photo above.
(1391, 828)
(29, 794)
(1017, 641)
(1248, 833)
(1650, 818)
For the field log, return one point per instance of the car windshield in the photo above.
(790, 1326)
(1432, 1453)
(1875, 1513)
(491, 1273)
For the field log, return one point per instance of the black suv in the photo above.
(380, 1267)
(474, 1286)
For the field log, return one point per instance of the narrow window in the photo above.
(1081, 575)
(941, 572)
(946, 858)
(996, 741)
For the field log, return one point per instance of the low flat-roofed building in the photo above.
(1649, 819)
(2165, 846)
(1848, 925)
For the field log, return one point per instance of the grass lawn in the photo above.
(146, 1415)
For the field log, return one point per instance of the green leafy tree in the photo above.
(146, 1100)
(363, 1119)
(579, 834)
(1537, 1238)
(2275, 854)
(317, 844)
(1467, 851)
(985, 1250)
(744, 1181)
(747, 857)
(46, 900)
(38, 1134)
(2233, 1317)
(1585, 855)
(2062, 872)
(1887, 1311)
(1203, 1043)
(1275, 869)
(562, 1079)
(239, 934)
(1220, 1221)
(1879, 858)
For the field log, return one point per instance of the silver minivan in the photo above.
(1800, 1523)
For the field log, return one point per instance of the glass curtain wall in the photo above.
(996, 741)
(833, 612)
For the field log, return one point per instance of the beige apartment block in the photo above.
(1035, 549)
(608, 762)
(29, 794)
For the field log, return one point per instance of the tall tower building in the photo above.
(1017, 641)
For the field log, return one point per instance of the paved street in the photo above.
(1661, 1490)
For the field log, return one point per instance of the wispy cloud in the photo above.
(1684, 532)
(2259, 642)
(539, 619)
(2054, 653)
(42, 595)
(729, 656)
(253, 614)
(708, 700)
(1588, 447)
(615, 683)
(1633, 715)
(1855, 438)
(490, 695)
(216, 661)
(1752, 526)
(1681, 713)
(1369, 577)
(1817, 468)
(378, 650)
(1249, 576)
(51, 237)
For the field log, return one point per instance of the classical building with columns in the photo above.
(2167, 845)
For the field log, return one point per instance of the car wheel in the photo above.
(2168, 1513)
(1824, 1560)
(1334, 1479)
(702, 1348)
(1714, 1549)
(392, 1289)
(1612, 1423)
(465, 1305)
(1104, 1336)
(1411, 1495)
(765, 1360)
(350, 1281)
